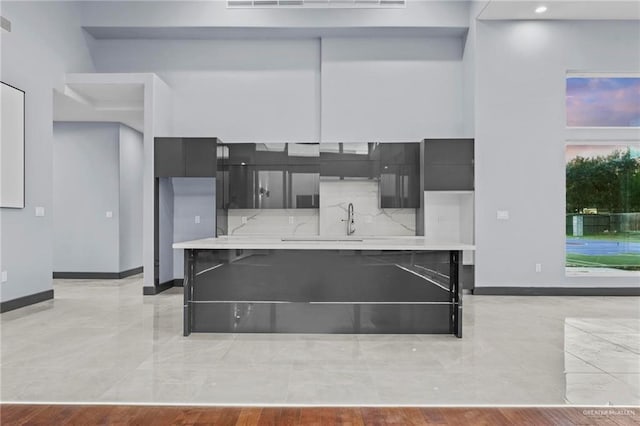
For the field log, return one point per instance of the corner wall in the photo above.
(520, 141)
(131, 173)
(46, 41)
(85, 188)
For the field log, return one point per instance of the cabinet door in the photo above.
(169, 157)
(349, 169)
(449, 165)
(303, 186)
(241, 186)
(399, 186)
(200, 157)
(449, 151)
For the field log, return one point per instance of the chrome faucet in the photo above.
(351, 223)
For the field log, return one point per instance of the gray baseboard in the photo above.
(98, 275)
(156, 289)
(557, 291)
(21, 302)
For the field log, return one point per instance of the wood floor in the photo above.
(85, 415)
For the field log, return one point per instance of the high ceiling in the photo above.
(561, 10)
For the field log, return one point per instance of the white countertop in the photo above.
(320, 243)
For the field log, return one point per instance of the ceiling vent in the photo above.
(315, 4)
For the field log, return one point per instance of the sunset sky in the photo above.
(589, 151)
(603, 102)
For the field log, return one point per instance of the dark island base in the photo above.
(322, 291)
(320, 318)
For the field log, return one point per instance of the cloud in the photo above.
(603, 102)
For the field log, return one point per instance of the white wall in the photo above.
(391, 89)
(237, 90)
(86, 187)
(192, 197)
(520, 138)
(97, 168)
(165, 232)
(46, 42)
(131, 171)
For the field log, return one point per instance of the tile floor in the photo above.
(103, 341)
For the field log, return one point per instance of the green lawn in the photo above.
(633, 237)
(630, 262)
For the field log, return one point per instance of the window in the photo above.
(603, 101)
(603, 208)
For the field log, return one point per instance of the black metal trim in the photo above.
(556, 291)
(98, 275)
(21, 302)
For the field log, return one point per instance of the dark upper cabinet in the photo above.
(448, 165)
(185, 157)
(399, 165)
(349, 169)
(399, 186)
(169, 157)
(200, 157)
(270, 176)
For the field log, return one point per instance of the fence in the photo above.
(602, 223)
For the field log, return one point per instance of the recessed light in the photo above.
(541, 9)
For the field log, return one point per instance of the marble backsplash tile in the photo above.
(370, 219)
(273, 222)
(330, 218)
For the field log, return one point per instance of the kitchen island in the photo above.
(322, 285)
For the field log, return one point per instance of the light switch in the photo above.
(4, 276)
(39, 211)
(291, 220)
(244, 220)
(502, 214)
(109, 215)
(197, 219)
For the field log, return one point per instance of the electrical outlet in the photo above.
(39, 211)
(368, 219)
(244, 220)
(291, 220)
(197, 219)
(538, 267)
(4, 276)
(109, 215)
(502, 214)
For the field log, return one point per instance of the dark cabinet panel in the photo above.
(169, 157)
(241, 153)
(241, 187)
(349, 169)
(449, 165)
(303, 186)
(448, 151)
(448, 177)
(185, 157)
(200, 157)
(399, 174)
(398, 153)
(399, 186)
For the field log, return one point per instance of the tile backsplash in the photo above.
(370, 219)
(273, 222)
(335, 196)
